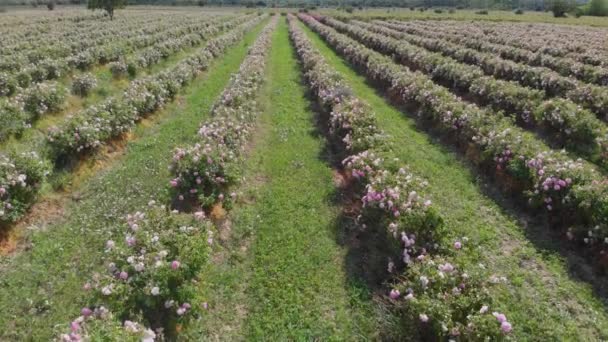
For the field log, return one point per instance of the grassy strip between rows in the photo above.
(539, 283)
(42, 287)
(284, 277)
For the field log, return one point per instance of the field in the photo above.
(228, 174)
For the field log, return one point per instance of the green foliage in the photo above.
(598, 8)
(560, 7)
(107, 5)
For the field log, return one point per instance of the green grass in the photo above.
(542, 298)
(469, 15)
(41, 288)
(283, 275)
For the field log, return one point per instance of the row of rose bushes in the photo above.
(165, 48)
(583, 44)
(62, 41)
(560, 120)
(19, 20)
(152, 273)
(16, 114)
(23, 66)
(27, 68)
(29, 104)
(592, 97)
(572, 193)
(20, 111)
(565, 66)
(89, 129)
(203, 172)
(99, 124)
(28, 37)
(150, 280)
(438, 294)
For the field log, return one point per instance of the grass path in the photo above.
(542, 298)
(284, 276)
(41, 288)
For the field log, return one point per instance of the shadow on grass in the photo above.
(366, 260)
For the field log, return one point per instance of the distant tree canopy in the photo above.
(561, 7)
(107, 5)
(585, 7)
(598, 8)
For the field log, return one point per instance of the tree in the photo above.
(50, 5)
(598, 8)
(560, 7)
(107, 5)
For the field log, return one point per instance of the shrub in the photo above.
(23, 78)
(151, 278)
(44, 98)
(449, 300)
(452, 11)
(101, 325)
(83, 60)
(152, 268)
(118, 69)
(21, 175)
(50, 5)
(482, 12)
(560, 7)
(13, 119)
(83, 84)
(519, 11)
(53, 69)
(8, 85)
(438, 10)
(598, 8)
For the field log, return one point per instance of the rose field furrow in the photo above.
(380, 170)
(53, 98)
(565, 65)
(561, 121)
(547, 180)
(86, 131)
(73, 247)
(590, 96)
(478, 233)
(583, 45)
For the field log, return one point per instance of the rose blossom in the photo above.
(86, 312)
(394, 294)
(500, 317)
